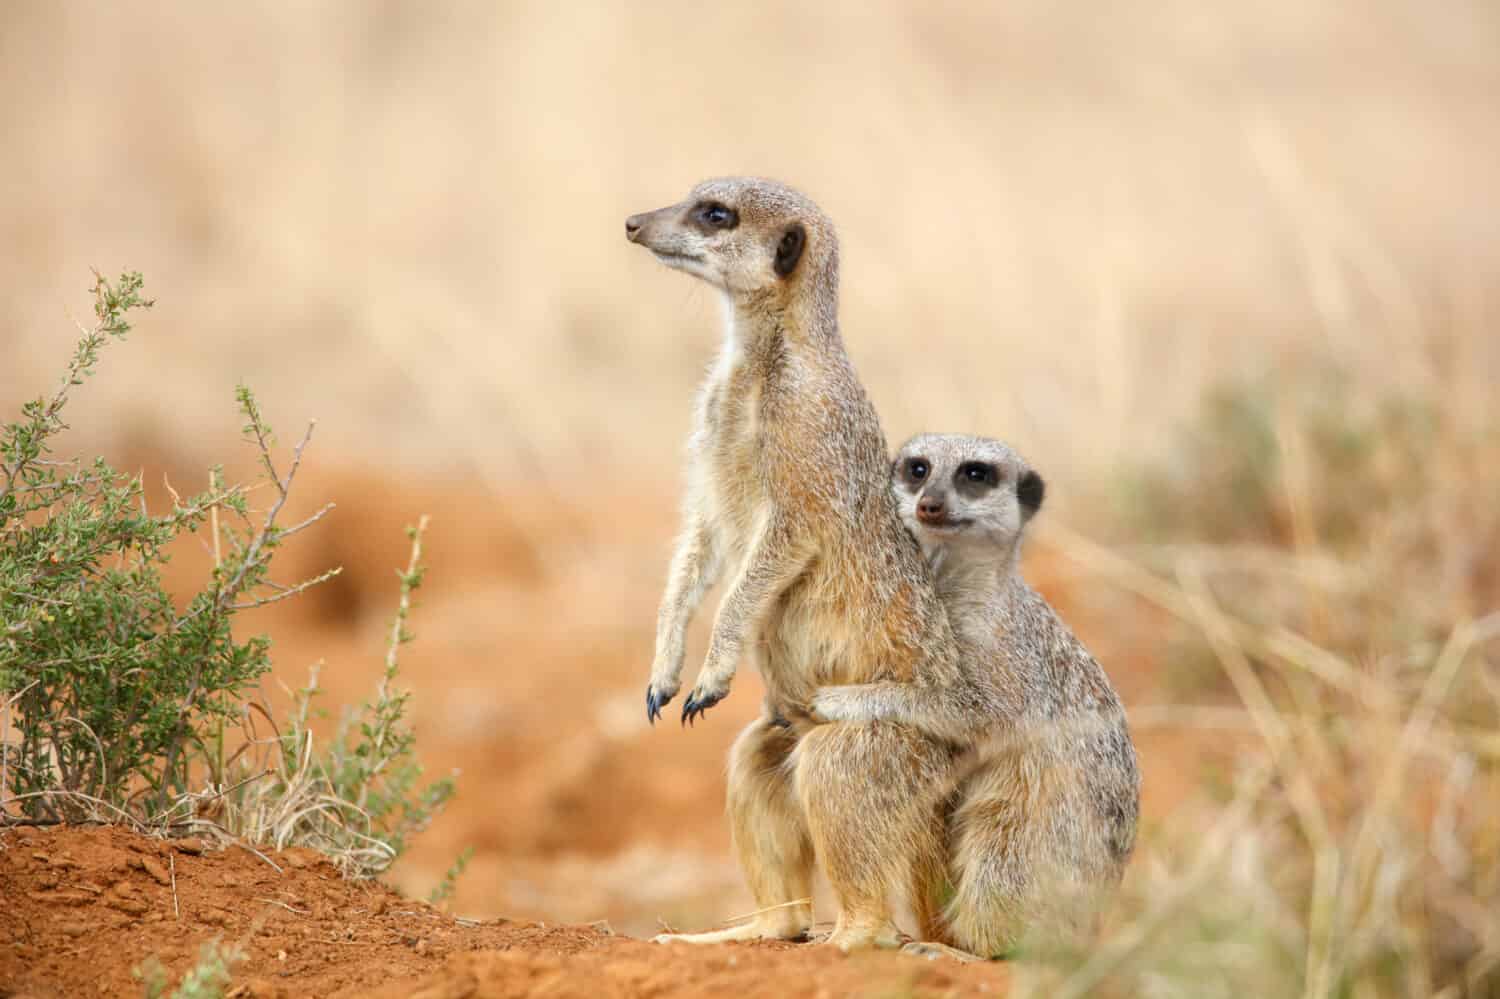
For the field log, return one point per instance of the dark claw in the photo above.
(692, 708)
(654, 702)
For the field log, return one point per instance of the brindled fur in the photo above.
(1044, 816)
(788, 496)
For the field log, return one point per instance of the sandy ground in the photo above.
(86, 906)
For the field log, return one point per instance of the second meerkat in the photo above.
(788, 493)
(1044, 813)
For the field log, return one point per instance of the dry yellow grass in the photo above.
(1061, 221)
(1064, 223)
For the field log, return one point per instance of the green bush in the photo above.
(358, 798)
(118, 702)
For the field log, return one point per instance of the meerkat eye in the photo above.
(977, 471)
(917, 469)
(717, 216)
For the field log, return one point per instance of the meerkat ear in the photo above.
(1030, 490)
(789, 250)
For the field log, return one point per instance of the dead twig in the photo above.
(172, 869)
(288, 908)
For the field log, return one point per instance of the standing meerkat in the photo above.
(1044, 814)
(788, 494)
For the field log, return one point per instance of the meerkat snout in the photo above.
(931, 509)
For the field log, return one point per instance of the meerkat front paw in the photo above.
(840, 704)
(658, 693)
(705, 695)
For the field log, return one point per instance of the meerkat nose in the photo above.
(633, 228)
(930, 508)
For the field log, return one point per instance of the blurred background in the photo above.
(1227, 273)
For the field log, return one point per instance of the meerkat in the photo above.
(788, 495)
(1044, 814)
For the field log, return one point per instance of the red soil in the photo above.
(84, 906)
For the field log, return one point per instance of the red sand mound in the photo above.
(84, 906)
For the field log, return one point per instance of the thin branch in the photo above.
(160, 817)
(403, 608)
(288, 591)
(251, 560)
(91, 799)
(103, 768)
(289, 531)
(283, 486)
(213, 523)
(89, 480)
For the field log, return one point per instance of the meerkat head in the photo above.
(965, 498)
(745, 236)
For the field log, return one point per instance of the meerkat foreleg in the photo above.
(770, 564)
(948, 711)
(696, 565)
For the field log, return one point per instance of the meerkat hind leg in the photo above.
(770, 838)
(869, 792)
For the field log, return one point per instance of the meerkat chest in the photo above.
(807, 643)
(730, 450)
(832, 626)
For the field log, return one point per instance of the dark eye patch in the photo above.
(915, 470)
(977, 473)
(975, 478)
(714, 215)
